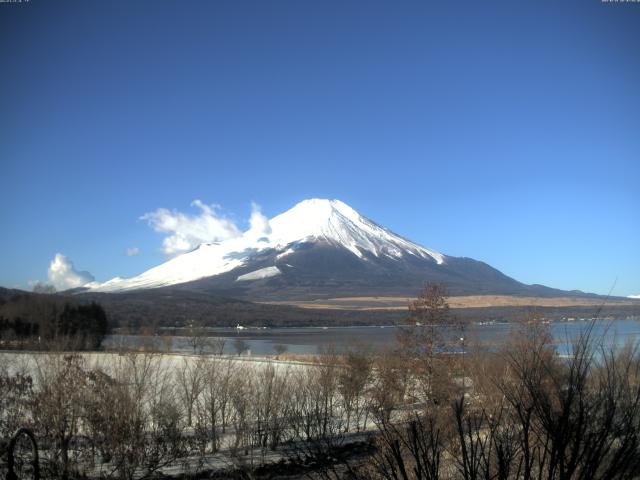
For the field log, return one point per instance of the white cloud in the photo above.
(634, 296)
(132, 251)
(62, 275)
(188, 231)
(258, 223)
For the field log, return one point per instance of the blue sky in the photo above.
(505, 131)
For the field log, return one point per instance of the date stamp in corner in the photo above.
(14, 1)
(620, 1)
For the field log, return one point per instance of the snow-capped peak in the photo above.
(330, 221)
(338, 223)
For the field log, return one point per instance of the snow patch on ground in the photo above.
(259, 274)
(288, 251)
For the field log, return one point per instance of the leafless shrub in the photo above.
(279, 349)
(531, 414)
(426, 345)
(213, 405)
(58, 412)
(353, 380)
(190, 378)
(241, 395)
(15, 400)
(271, 410)
(240, 346)
(413, 447)
(389, 387)
(197, 337)
(217, 345)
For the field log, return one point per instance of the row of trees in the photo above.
(130, 415)
(43, 321)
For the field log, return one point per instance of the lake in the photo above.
(310, 340)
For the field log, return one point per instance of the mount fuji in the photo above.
(319, 249)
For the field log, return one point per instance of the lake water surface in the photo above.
(311, 340)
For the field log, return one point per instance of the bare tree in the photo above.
(240, 346)
(390, 382)
(197, 337)
(58, 414)
(579, 417)
(271, 409)
(147, 434)
(353, 379)
(213, 404)
(190, 381)
(279, 349)
(425, 344)
(241, 397)
(167, 343)
(217, 345)
(411, 449)
(17, 394)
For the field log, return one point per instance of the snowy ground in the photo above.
(29, 362)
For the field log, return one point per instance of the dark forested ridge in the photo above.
(176, 307)
(27, 314)
(33, 320)
(172, 306)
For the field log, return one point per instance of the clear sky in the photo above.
(504, 131)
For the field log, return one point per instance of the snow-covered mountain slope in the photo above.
(311, 222)
(339, 224)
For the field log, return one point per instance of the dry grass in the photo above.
(297, 357)
(470, 301)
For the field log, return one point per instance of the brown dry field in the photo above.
(470, 301)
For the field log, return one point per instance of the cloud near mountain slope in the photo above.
(63, 275)
(185, 231)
